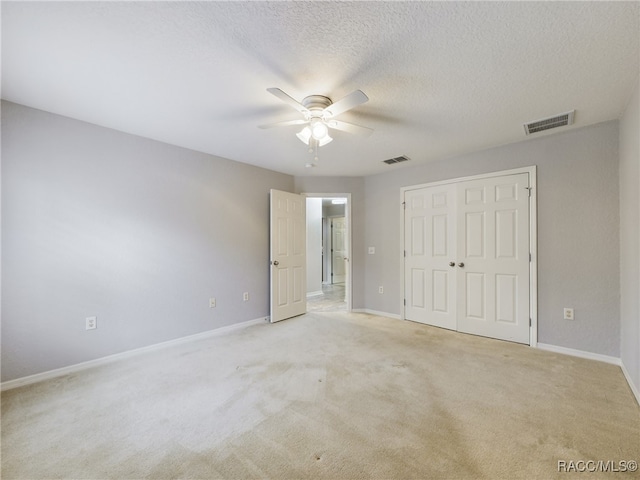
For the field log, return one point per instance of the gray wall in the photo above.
(314, 245)
(578, 230)
(354, 186)
(630, 239)
(333, 211)
(136, 232)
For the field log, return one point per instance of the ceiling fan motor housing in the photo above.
(316, 104)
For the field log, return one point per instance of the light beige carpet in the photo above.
(325, 396)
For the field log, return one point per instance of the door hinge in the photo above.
(405, 253)
(529, 190)
(529, 257)
(529, 322)
(404, 205)
(405, 302)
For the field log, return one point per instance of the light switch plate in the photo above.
(91, 323)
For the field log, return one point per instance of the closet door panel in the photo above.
(493, 228)
(429, 248)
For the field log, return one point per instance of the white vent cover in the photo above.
(556, 121)
(391, 161)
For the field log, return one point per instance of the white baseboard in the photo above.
(595, 356)
(58, 372)
(315, 294)
(376, 312)
(579, 353)
(634, 388)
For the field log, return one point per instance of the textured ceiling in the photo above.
(443, 78)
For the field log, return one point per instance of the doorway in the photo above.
(328, 252)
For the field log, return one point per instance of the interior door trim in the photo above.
(533, 236)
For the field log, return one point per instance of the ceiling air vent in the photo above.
(548, 123)
(391, 161)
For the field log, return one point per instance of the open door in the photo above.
(338, 250)
(288, 255)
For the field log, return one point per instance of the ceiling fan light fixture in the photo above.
(304, 135)
(319, 129)
(326, 139)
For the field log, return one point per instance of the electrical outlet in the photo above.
(372, 250)
(380, 289)
(568, 314)
(91, 323)
(212, 302)
(245, 297)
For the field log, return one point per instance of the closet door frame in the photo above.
(533, 222)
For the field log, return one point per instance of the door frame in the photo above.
(533, 236)
(348, 290)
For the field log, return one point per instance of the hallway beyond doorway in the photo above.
(331, 300)
(328, 247)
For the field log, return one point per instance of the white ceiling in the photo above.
(443, 78)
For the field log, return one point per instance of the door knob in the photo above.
(276, 263)
(452, 264)
(461, 264)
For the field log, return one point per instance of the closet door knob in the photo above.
(276, 263)
(452, 264)
(461, 264)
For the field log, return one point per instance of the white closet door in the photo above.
(429, 249)
(493, 257)
(467, 261)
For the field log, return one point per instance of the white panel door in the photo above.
(493, 257)
(430, 283)
(467, 264)
(338, 250)
(288, 255)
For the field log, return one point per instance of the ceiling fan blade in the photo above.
(288, 100)
(284, 124)
(349, 127)
(346, 103)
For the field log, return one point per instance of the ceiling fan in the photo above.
(319, 112)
